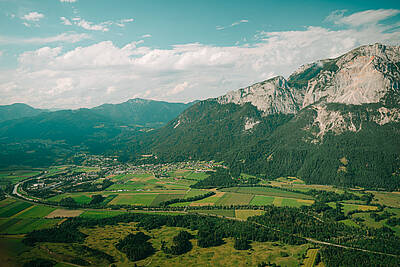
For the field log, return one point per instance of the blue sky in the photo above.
(82, 53)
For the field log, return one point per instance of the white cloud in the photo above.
(32, 16)
(91, 26)
(1, 53)
(65, 21)
(232, 25)
(67, 1)
(87, 25)
(105, 72)
(178, 88)
(146, 36)
(64, 37)
(362, 18)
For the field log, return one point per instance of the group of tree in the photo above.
(181, 244)
(136, 246)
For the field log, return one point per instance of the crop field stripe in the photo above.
(36, 212)
(22, 211)
(311, 255)
(6, 202)
(5, 223)
(14, 209)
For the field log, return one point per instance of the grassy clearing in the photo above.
(387, 198)
(351, 207)
(350, 223)
(267, 192)
(234, 199)
(134, 199)
(244, 214)
(225, 255)
(62, 213)
(310, 258)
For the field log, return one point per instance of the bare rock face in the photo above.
(271, 96)
(364, 75)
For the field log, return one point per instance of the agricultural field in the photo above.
(82, 198)
(63, 213)
(18, 217)
(391, 199)
(234, 199)
(310, 258)
(267, 192)
(14, 176)
(244, 214)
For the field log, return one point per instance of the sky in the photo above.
(82, 53)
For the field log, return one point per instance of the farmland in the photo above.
(145, 190)
(17, 217)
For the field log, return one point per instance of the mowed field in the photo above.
(269, 196)
(18, 217)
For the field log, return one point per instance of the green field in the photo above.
(165, 197)
(82, 198)
(267, 191)
(262, 200)
(195, 192)
(244, 214)
(234, 199)
(134, 199)
(351, 207)
(22, 226)
(35, 212)
(13, 208)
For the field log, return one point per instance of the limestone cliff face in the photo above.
(365, 75)
(271, 96)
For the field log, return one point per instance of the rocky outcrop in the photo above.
(271, 96)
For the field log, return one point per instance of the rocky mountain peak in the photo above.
(364, 75)
(270, 96)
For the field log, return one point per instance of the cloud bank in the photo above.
(87, 76)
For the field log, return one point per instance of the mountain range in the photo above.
(334, 121)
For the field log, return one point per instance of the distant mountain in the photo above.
(335, 121)
(18, 110)
(51, 136)
(142, 112)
